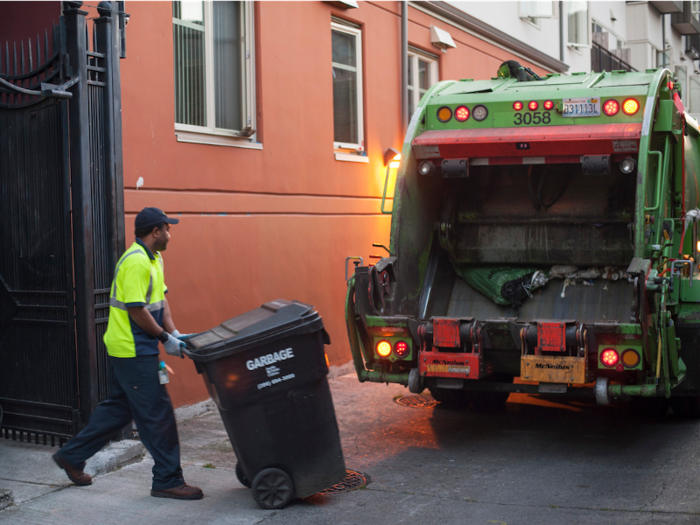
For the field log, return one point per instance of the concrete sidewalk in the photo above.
(539, 462)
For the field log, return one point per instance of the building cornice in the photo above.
(477, 27)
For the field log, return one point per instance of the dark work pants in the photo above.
(136, 394)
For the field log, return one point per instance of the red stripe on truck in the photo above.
(543, 141)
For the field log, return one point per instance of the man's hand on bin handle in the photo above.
(182, 337)
(173, 346)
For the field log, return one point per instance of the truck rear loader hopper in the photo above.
(543, 240)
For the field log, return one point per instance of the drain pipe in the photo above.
(404, 67)
(561, 31)
(663, 40)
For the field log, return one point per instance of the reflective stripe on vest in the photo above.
(120, 305)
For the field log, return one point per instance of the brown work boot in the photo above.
(181, 492)
(76, 475)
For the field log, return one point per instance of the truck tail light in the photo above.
(630, 358)
(630, 106)
(611, 107)
(548, 104)
(462, 113)
(401, 349)
(517, 106)
(383, 348)
(533, 105)
(444, 114)
(480, 112)
(609, 357)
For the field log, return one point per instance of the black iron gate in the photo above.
(61, 221)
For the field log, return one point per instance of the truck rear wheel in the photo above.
(686, 406)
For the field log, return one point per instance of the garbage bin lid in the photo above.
(272, 317)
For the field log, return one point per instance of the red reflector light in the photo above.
(548, 104)
(462, 113)
(383, 348)
(401, 349)
(630, 106)
(670, 85)
(517, 106)
(609, 357)
(611, 107)
(533, 105)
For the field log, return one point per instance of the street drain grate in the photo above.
(353, 480)
(417, 401)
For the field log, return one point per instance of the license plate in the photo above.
(581, 107)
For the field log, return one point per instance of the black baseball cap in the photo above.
(152, 217)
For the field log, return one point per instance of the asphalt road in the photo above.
(538, 462)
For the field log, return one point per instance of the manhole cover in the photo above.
(417, 401)
(353, 480)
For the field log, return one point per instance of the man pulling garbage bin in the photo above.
(139, 317)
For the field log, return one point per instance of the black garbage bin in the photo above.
(266, 370)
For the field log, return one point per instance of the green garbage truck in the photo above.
(544, 240)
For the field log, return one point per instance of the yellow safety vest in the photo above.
(138, 281)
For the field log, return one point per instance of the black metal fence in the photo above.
(61, 222)
(604, 60)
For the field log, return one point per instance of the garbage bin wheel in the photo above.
(272, 488)
(241, 477)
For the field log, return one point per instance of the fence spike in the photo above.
(22, 55)
(38, 51)
(46, 43)
(54, 37)
(14, 45)
(31, 64)
(7, 58)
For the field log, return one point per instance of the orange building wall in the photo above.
(277, 223)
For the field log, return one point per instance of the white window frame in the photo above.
(524, 13)
(357, 32)
(534, 22)
(248, 85)
(434, 74)
(579, 45)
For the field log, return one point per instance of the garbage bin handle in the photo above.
(186, 350)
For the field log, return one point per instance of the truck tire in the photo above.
(686, 406)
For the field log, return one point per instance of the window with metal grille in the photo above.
(214, 68)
